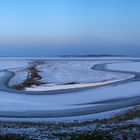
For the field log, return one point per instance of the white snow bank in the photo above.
(71, 86)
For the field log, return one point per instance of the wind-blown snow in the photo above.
(10, 64)
(64, 72)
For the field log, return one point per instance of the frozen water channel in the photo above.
(71, 91)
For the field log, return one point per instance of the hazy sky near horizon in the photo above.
(72, 26)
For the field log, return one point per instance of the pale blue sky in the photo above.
(69, 25)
